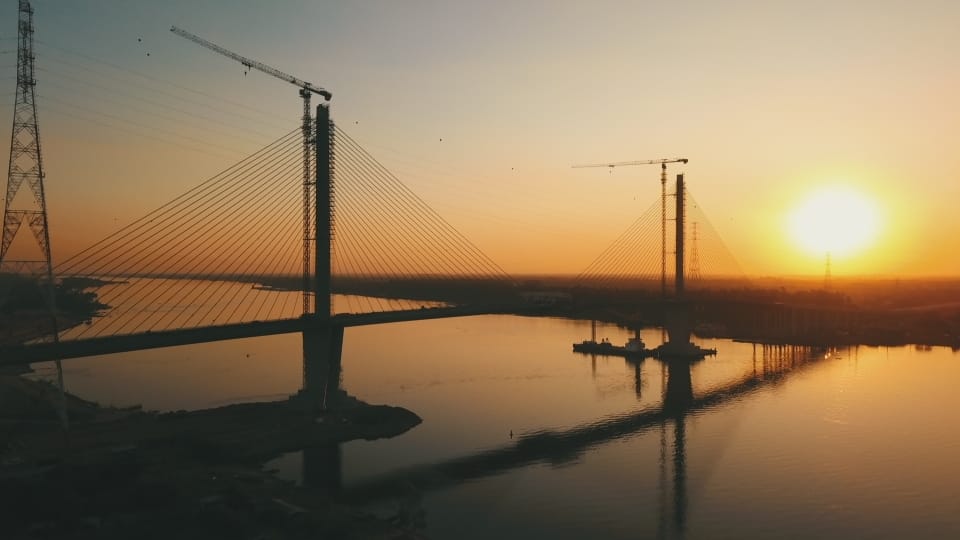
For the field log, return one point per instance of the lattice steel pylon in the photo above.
(695, 274)
(26, 167)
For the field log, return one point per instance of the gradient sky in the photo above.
(769, 101)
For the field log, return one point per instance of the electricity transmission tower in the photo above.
(695, 255)
(26, 167)
(827, 277)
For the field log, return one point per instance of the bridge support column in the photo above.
(322, 351)
(678, 321)
(323, 213)
(678, 314)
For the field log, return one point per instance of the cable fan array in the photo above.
(385, 232)
(191, 262)
(716, 260)
(228, 250)
(633, 259)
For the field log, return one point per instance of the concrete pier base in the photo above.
(322, 352)
(678, 319)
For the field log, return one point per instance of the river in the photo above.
(523, 438)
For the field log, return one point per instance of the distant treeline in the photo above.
(453, 290)
(466, 289)
(71, 295)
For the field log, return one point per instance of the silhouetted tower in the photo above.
(663, 207)
(306, 90)
(26, 167)
(681, 206)
(826, 272)
(324, 214)
(694, 253)
(663, 230)
(678, 318)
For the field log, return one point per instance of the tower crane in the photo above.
(306, 90)
(305, 87)
(663, 204)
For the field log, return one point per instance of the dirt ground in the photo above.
(126, 473)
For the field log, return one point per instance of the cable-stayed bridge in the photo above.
(309, 234)
(224, 259)
(229, 251)
(310, 231)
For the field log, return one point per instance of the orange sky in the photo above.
(768, 100)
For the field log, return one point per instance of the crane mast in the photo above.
(663, 205)
(306, 90)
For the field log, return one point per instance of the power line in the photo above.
(182, 115)
(71, 112)
(156, 80)
(192, 140)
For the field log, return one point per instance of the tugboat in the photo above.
(634, 348)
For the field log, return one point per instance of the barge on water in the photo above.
(634, 348)
(605, 348)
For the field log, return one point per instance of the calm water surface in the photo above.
(785, 443)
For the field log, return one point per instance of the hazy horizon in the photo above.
(482, 110)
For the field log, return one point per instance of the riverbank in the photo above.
(127, 473)
(25, 315)
(870, 311)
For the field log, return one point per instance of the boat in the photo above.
(634, 347)
(681, 351)
(605, 348)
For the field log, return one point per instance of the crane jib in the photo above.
(625, 163)
(248, 63)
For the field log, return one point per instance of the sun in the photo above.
(837, 220)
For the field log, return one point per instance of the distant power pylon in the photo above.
(827, 277)
(26, 167)
(695, 254)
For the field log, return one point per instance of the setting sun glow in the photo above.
(835, 220)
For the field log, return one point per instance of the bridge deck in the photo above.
(40, 352)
